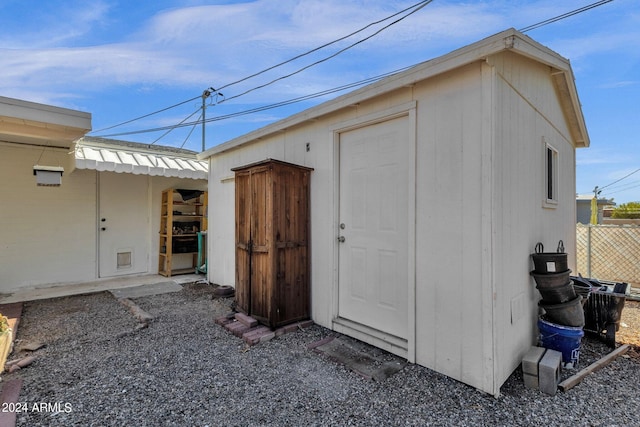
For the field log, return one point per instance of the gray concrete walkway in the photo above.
(115, 283)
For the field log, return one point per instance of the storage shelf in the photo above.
(172, 219)
(177, 271)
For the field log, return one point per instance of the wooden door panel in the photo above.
(243, 241)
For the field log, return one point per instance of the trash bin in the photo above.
(603, 311)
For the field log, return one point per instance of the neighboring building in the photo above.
(99, 219)
(429, 192)
(583, 208)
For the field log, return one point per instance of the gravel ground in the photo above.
(184, 370)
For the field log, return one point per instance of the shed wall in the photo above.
(479, 180)
(528, 115)
(453, 314)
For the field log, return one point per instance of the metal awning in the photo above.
(139, 159)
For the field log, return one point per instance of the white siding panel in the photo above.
(450, 331)
(529, 111)
(48, 233)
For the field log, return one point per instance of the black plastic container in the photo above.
(551, 280)
(549, 262)
(568, 313)
(559, 294)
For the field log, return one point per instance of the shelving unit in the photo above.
(183, 215)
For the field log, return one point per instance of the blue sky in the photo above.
(120, 60)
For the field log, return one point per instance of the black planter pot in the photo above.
(568, 313)
(549, 262)
(551, 280)
(558, 295)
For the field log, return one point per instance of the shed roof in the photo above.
(139, 159)
(508, 40)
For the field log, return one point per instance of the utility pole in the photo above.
(205, 95)
(594, 206)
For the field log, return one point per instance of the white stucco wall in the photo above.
(48, 234)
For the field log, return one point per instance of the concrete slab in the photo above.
(368, 361)
(146, 290)
(57, 290)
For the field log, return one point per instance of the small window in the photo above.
(550, 175)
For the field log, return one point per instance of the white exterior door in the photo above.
(123, 224)
(373, 253)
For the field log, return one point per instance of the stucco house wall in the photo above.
(51, 235)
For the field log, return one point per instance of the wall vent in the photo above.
(124, 260)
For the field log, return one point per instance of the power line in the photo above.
(327, 44)
(265, 107)
(421, 5)
(146, 115)
(191, 131)
(563, 16)
(618, 180)
(175, 127)
(623, 186)
(416, 6)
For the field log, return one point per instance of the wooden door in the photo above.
(243, 240)
(253, 243)
(272, 222)
(373, 266)
(291, 243)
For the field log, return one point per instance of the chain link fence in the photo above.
(609, 252)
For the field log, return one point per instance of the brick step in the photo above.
(250, 330)
(246, 320)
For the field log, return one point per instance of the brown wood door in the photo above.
(272, 221)
(260, 263)
(253, 244)
(243, 241)
(291, 222)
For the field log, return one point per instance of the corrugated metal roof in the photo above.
(139, 159)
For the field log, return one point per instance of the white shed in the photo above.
(439, 180)
(101, 221)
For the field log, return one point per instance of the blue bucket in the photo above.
(565, 339)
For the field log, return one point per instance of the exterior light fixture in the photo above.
(48, 176)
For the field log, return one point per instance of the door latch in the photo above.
(341, 239)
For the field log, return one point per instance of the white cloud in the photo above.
(51, 24)
(194, 47)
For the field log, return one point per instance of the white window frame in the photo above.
(551, 175)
